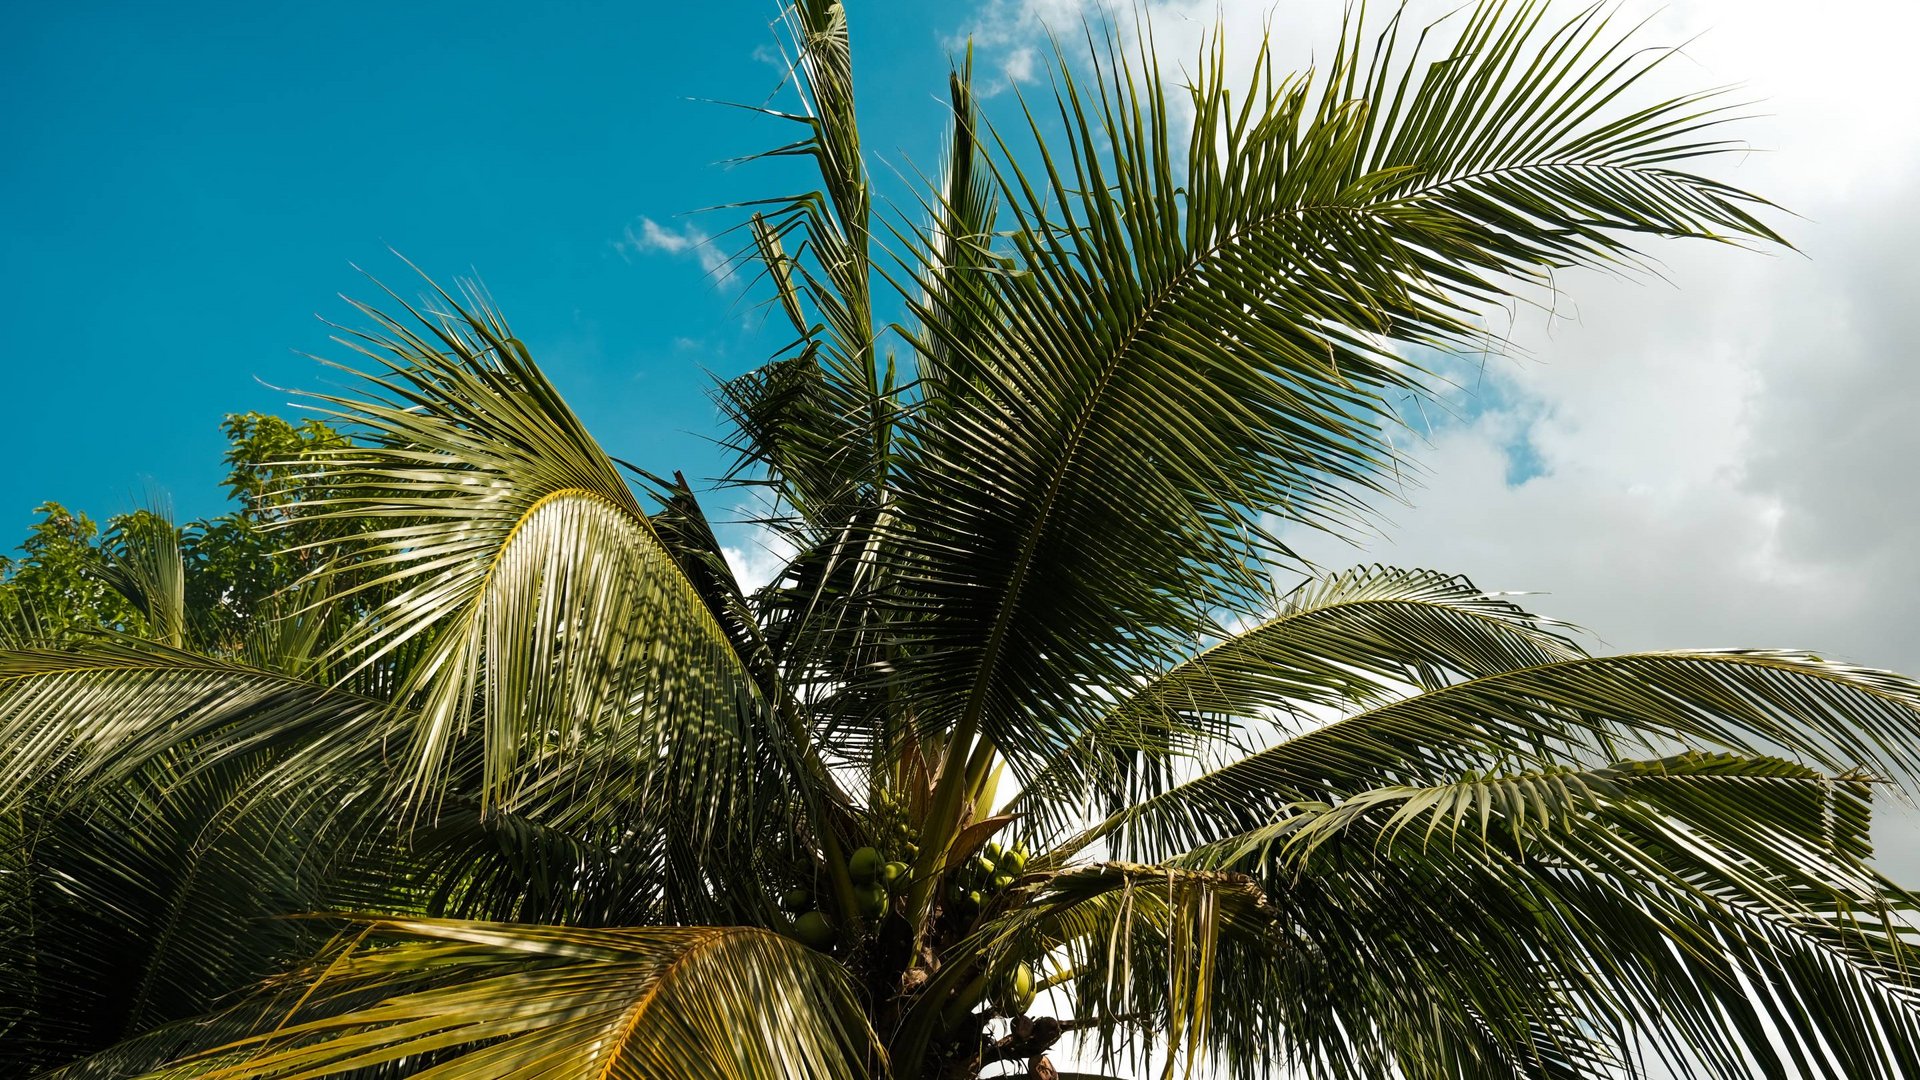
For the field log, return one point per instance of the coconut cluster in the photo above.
(985, 875)
(893, 822)
(876, 881)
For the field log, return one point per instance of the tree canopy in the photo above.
(460, 751)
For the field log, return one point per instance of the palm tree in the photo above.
(1024, 741)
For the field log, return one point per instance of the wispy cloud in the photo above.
(648, 235)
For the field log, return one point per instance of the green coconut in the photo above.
(1023, 987)
(871, 898)
(796, 900)
(865, 864)
(893, 875)
(814, 931)
(1013, 990)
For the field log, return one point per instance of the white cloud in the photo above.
(755, 561)
(755, 552)
(689, 239)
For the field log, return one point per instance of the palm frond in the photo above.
(555, 631)
(1190, 342)
(498, 1000)
(1718, 905)
(1366, 636)
(152, 902)
(143, 562)
(1584, 710)
(85, 720)
(820, 420)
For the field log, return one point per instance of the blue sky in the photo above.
(188, 185)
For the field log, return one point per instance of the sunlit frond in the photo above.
(93, 718)
(553, 629)
(500, 1000)
(143, 563)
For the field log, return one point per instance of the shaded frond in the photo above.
(143, 562)
(1365, 636)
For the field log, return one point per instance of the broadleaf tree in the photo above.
(1042, 732)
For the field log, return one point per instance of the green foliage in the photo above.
(596, 810)
(241, 559)
(209, 581)
(56, 586)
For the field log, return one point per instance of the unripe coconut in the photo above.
(796, 900)
(1013, 990)
(1001, 881)
(1023, 988)
(865, 864)
(1014, 862)
(871, 898)
(893, 875)
(814, 931)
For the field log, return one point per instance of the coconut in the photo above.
(865, 864)
(1013, 990)
(1022, 987)
(814, 931)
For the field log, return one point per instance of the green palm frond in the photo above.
(497, 1000)
(90, 719)
(960, 262)
(1788, 816)
(144, 564)
(151, 903)
(819, 421)
(1193, 336)
(1586, 710)
(1656, 897)
(1562, 912)
(554, 629)
(171, 811)
(1365, 636)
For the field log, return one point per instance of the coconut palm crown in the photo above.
(1023, 749)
